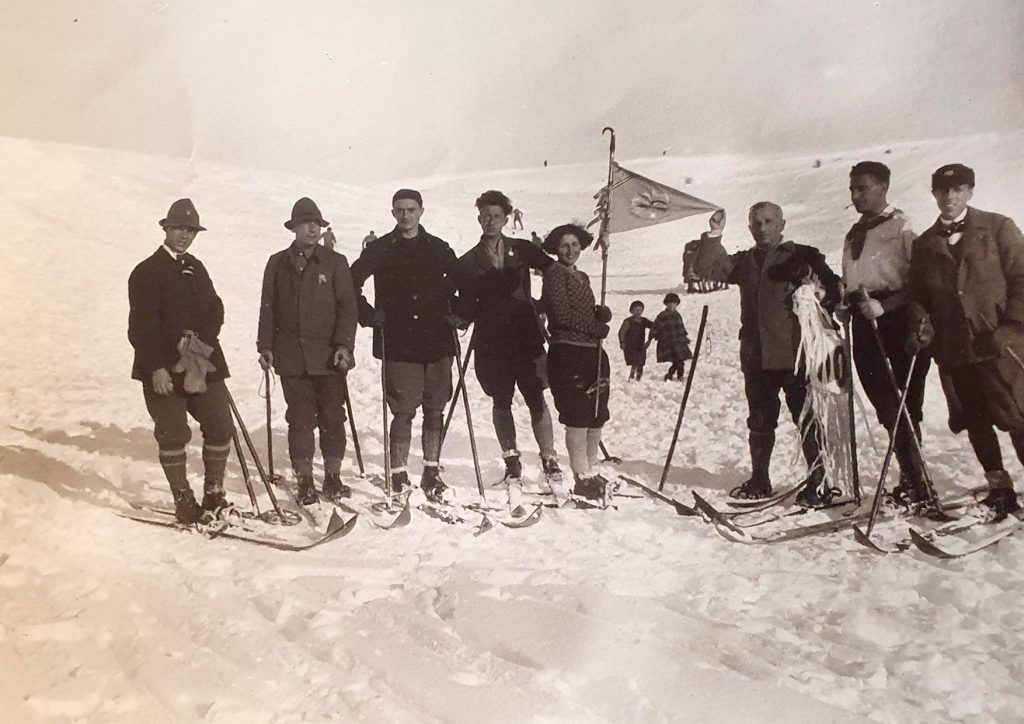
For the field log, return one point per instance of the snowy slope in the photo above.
(627, 615)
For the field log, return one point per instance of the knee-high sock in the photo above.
(504, 426)
(576, 444)
(174, 464)
(593, 445)
(215, 459)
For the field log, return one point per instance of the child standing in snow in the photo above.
(633, 339)
(673, 341)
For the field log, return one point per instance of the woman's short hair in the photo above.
(554, 237)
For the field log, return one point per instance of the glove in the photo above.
(602, 330)
(343, 359)
(266, 359)
(602, 313)
(456, 322)
(921, 332)
(871, 308)
(792, 270)
(842, 313)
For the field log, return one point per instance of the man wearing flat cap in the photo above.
(414, 284)
(306, 333)
(174, 319)
(967, 306)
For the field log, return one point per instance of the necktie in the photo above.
(186, 268)
(859, 233)
(957, 227)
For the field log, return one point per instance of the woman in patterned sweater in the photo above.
(576, 326)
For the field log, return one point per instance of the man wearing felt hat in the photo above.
(174, 320)
(306, 333)
(967, 306)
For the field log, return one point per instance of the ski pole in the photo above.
(905, 418)
(384, 418)
(877, 502)
(245, 472)
(255, 455)
(854, 468)
(609, 458)
(352, 423)
(270, 431)
(686, 395)
(469, 416)
(458, 390)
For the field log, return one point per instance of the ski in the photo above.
(752, 505)
(337, 528)
(526, 518)
(730, 531)
(955, 545)
(680, 508)
(948, 526)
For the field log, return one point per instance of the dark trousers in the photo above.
(892, 329)
(170, 415)
(976, 419)
(315, 401)
(171, 430)
(762, 388)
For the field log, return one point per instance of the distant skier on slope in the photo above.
(307, 328)
(494, 291)
(769, 338)
(967, 307)
(174, 321)
(876, 269)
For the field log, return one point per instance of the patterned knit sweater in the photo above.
(569, 303)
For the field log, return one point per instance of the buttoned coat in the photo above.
(499, 301)
(165, 298)
(306, 316)
(970, 289)
(769, 329)
(414, 285)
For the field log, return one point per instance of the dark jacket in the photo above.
(633, 340)
(306, 316)
(971, 289)
(164, 300)
(769, 330)
(499, 302)
(414, 285)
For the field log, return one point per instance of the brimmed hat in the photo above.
(952, 175)
(305, 210)
(182, 213)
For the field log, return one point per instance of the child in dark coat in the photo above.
(633, 339)
(673, 341)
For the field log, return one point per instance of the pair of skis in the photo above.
(337, 527)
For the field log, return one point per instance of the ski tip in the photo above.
(865, 540)
(485, 525)
(335, 524)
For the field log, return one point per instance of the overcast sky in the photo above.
(380, 90)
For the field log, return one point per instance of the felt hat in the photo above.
(305, 210)
(182, 213)
(952, 175)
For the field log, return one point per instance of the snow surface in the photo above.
(632, 614)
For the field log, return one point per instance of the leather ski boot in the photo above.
(186, 509)
(334, 489)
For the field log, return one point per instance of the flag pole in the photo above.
(602, 241)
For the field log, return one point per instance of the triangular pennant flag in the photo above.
(637, 202)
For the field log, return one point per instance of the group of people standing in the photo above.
(311, 304)
(953, 294)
